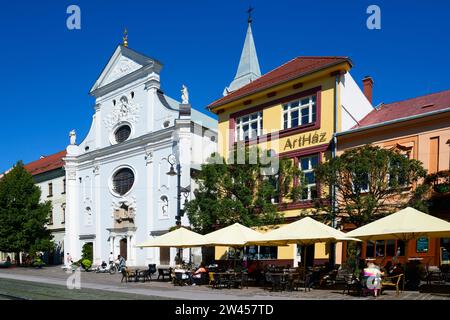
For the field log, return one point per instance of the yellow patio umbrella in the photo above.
(406, 224)
(305, 232)
(179, 238)
(235, 235)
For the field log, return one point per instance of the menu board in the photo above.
(445, 257)
(422, 245)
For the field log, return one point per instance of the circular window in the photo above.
(122, 133)
(123, 180)
(166, 124)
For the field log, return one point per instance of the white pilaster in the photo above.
(71, 240)
(98, 258)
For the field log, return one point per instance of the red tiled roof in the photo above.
(48, 163)
(407, 108)
(292, 69)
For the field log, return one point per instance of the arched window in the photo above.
(122, 133)
(123, 180)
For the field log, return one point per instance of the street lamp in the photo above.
(180, 190)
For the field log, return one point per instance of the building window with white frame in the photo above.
(307, 165)
(249, 126)
(299, 112)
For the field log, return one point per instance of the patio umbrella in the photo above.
(305, 232)
(179, 238)
(406, 224)
(235, 235)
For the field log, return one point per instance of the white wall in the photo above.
(355, 105)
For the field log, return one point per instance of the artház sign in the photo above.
(305, 140)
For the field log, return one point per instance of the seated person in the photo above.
(104, 265)
(397, 269)
(387, 270)
(256, 271)
(197, 275)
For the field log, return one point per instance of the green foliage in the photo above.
(439, 181)
(38, 262)
(86, 264)
(229, 192)
(370, 182)
(87, 252)
(22, 216)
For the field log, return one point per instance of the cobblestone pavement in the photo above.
(166, 290)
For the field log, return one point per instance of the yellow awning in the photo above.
(405, 224)
(305, 232)
(179, 238)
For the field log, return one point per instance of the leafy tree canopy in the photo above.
(370, 182)
(242, 189)
(22, 216)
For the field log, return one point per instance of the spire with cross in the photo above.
(248, 69)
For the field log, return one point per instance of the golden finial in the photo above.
(125, 38)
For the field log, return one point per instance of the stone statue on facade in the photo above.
(184, 95)
(73, 137)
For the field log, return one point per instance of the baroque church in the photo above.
(128, 179)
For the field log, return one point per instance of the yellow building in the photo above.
(293, 110)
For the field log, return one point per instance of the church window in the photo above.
(123, 180)
(122, 133)
(114, 102)
(132, 94)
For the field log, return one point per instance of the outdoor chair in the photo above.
(164, 272)
(180, 279)
(221, 281)
(299, 280)
(394, 281)
(275, 282)
(342, 277)
(241, 281)
(352, 285)
(147, 274)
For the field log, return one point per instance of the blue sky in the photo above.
(47, 70)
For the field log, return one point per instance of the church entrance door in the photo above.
(123, 248)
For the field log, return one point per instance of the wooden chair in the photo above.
(240, 281)
(164, 272)
(394, 281)
(300, 280)
(353, 284)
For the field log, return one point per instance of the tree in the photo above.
(370, 183)
(22, 216)
(230, 192)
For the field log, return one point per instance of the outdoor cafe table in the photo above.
(227, 276)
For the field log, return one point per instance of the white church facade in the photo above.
(118, 191)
